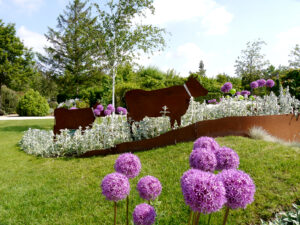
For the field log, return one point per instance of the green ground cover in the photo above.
(37, 190)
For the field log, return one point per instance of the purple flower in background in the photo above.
(74, 107)
(226, 159)
(245, 92)
(121, 110)
(110, 108)
(203, 159)
(261, 82)
(226, 87)
(270, 83)
(238, 93)
(254, 85)
(212, 101)
(107, 112)
(100, 108)
(202, 191)
(115, 186)
(239, 187)
(144, 214)
(97, 112)
(128, 164)
(149, 187)
(206, 142)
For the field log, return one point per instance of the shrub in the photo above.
(9, 100)
(32, 104)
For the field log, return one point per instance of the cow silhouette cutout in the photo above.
(73, 119)
(142, 103)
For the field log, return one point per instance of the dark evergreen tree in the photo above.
(71, 57)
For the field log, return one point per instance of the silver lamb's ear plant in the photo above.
(115, 129)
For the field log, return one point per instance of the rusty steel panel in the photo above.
(286, 127)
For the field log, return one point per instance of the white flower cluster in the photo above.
(115, 129)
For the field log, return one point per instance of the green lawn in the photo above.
(66, 190)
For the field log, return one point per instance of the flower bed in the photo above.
(115, 129)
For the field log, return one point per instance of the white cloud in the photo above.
(28, 5)
(214, 17)
(278, 53)
(32, 39)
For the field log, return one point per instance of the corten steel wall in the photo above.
(286, 127)
(72, 119)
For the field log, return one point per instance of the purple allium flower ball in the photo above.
(226, 159)
(254, 85)
(72, 108)
(115, 186)
(100, 108)
(202, 191)
(238, 93)
(261, 82)
(245, 92)
(203, 159)
(128, 164)
(149, 187)
(226, 87)
(110, 108)
(270, 83)
(97, 112)
(239, 186)
(212, 101)
(121, 110)
(107, 112)
(206, 142)
(144, 214)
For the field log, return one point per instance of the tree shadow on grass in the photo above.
(24, 128)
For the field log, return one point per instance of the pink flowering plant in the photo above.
(206, 192)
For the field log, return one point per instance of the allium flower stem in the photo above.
(190, 217)
(149, 202)
(209, 217)
(127, 206)
(226, 215)
(115, 213)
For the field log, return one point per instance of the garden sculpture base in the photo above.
(285, 127)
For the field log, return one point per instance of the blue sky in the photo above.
(214, 31)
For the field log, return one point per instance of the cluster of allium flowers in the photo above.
(121, 110)
(270, 83)
(226, 159)
(261, 82)
(226, 87)
(144, 214)
(245, 92)
(212, 101)
(97, 111)
(107, 112)
(206, 142)
(239, 188)
(115, 186)
(128, 164)
(149, 187)
(254, 84)
(202, 191)
(203, 159)
(110, 107)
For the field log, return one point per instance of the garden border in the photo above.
(286, 127)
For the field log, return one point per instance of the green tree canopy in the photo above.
(294, 62)
(251, 63)
(16, 61)
(71, 57)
